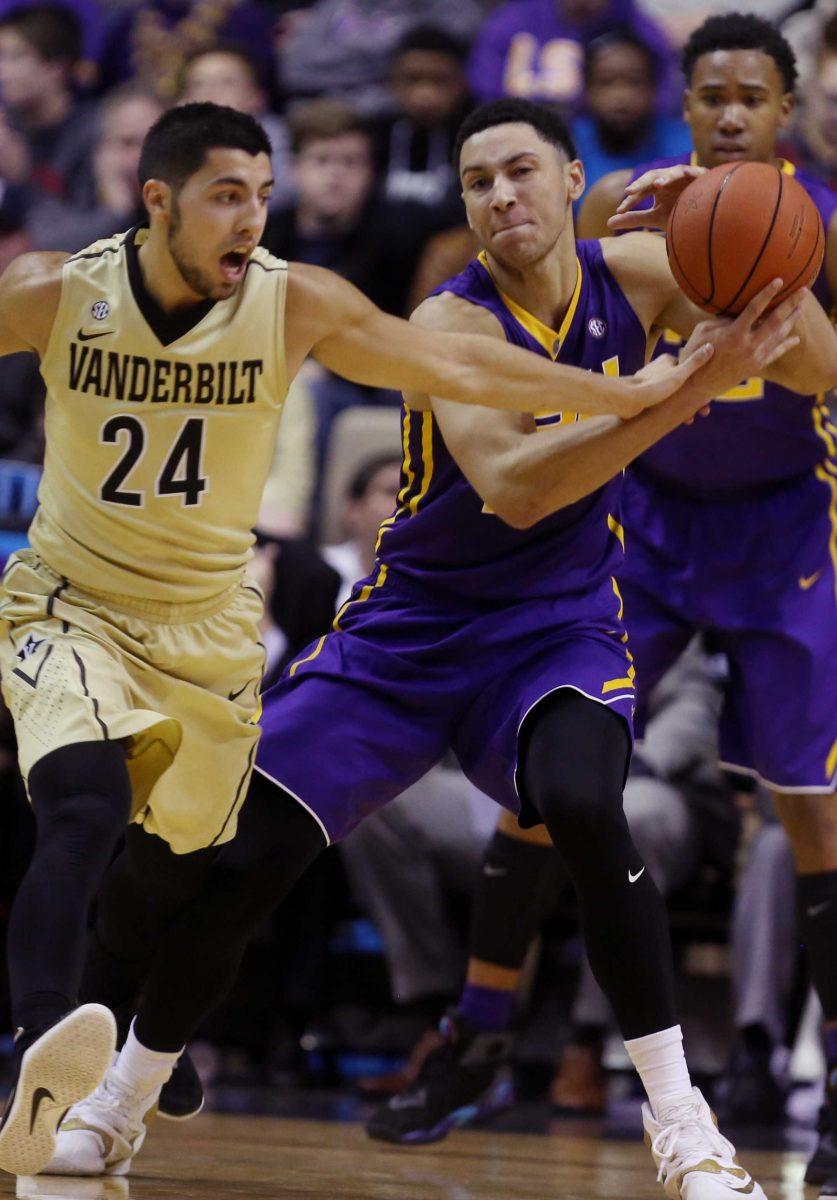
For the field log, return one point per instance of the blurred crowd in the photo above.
(361, 100)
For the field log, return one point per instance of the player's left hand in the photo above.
(664, 186)
(747, 344)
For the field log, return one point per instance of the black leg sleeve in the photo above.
(517, 887)
(144, 890)
(197, 962)
(574, 755)
(81, 797)
(817, 911)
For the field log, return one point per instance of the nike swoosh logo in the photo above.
(235, 695)
(814, 910)
(38, 1098)
(88, 337)
(808, 581)
(633, 878)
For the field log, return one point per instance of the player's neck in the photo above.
(162, 279)
(543, 288)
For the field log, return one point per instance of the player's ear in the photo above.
(574, 175)
(156, 196)
(786, 107)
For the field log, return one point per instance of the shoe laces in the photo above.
(687, 1137)
(118, 1105)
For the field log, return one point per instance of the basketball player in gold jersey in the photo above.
(130, 658)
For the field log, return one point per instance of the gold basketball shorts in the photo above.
(177, 684)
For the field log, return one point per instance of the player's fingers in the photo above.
(777, 351)
(789, 307)
(759, 303)
(776, 327)
(639, 219)
(694, 361)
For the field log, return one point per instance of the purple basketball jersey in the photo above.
(761, 433)
(441, 533)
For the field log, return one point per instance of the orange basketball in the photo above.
(737, 227)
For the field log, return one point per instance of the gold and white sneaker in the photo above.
(56, 1187)
(694, 1160)
(101, 1135)
(60, 1068)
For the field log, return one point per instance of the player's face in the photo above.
(428, 85)
(620, 92)
(736, 105)
(518, 191)
(223, 78)
(217, 219)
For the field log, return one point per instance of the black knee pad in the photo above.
(574, 756)
(83, 787)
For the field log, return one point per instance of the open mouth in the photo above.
(233, 264)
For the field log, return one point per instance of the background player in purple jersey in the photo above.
(492, 622)
(730, 527)
(745, 539)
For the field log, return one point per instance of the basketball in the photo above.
(737, 227)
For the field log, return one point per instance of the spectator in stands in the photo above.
(106, 199)
(534, 48)
(343, 47)
(151, 42)
(45, 134)
(431, 94)
(370, 499)
(621, 126)
(340, 221)
(814, 143)
(92, 18)
(228, 75)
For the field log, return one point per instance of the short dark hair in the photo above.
(619, 35)
(322, 119)
(360, 482)
(432, 39)
(740, 31)
(52, 29)
(177, 144)
(544, 119)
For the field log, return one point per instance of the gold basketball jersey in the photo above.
(160, 429)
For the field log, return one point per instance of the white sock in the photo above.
(143, 1070)
(661, 1065)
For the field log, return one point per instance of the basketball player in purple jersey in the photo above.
(743, 541)
(730, 527)
(492, 622)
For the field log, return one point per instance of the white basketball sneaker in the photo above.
(694, 1160)
(101, 1135)
(61, 1067)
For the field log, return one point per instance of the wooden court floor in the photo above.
(230, 1157)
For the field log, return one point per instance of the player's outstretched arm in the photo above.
(332, 321)
(525, 477)
(30, 289)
